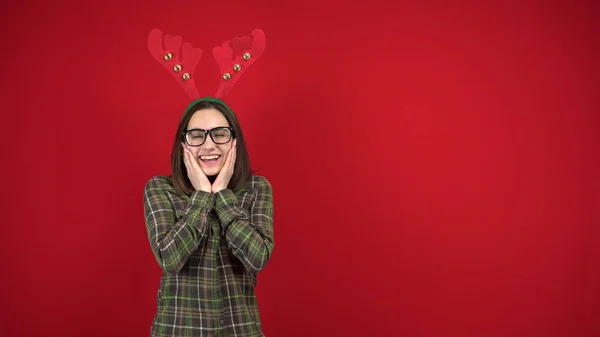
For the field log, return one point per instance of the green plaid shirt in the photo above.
(210, 248)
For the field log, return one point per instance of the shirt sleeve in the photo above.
(249, 235)
(174, 240)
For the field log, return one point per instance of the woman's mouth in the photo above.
(211, 159)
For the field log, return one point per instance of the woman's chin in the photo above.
(211, 172)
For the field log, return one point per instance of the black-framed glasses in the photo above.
(197, 137)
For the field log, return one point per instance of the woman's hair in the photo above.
(242, 170)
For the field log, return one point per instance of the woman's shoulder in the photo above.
(258, 182)
(160, 182)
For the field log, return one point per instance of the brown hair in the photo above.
(242, 171)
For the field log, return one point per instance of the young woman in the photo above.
(210, 226)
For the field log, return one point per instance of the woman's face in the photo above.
(210, 156)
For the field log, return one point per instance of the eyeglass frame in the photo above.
(209, 132)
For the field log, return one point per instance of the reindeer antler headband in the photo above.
(234, 57)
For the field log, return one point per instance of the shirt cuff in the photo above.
(227, 208)
(199, 205)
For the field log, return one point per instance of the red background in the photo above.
(435, 166)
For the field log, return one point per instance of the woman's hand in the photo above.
(194, 171)
(222, 180)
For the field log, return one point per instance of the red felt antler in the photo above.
(179, 60)
(236, 56)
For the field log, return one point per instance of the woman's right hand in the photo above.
(195, 173)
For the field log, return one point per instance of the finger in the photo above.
(232, 162)
(232, 150)
(184, 154)
(195, 165)
(193, 160)
(187, 159)
(229, 158)
(233, 154)
(189, 156)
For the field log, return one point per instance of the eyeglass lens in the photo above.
(198, 137)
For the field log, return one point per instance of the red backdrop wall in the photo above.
(434, 165)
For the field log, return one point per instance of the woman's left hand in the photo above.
(222, 180)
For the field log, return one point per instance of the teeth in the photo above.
(209, 157)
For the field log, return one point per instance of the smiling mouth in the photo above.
(210, 159)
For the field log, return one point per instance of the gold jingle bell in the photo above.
(226, 76)
(168, 56)
(186, 76)
(177, 67)
(237, 67)
(246, 56)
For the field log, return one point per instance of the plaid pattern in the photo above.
(210, 248)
